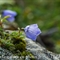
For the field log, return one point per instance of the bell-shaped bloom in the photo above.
(32, 31)
(10, 13)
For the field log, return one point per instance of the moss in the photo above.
(7, 44)
(14, 42)
(20, 46)
(18, 41)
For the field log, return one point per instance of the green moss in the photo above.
(14, 42)
(21, 46)
(7, 44)
(18, 40)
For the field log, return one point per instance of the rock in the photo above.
(38, 51)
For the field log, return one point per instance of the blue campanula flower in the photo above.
(10, 13)
(32, 31)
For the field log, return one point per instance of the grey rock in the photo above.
(39, 52)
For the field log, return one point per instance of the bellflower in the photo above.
(32, 31)
(10, 13)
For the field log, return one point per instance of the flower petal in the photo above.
(11, 19)
(9, 12)
(32, 31)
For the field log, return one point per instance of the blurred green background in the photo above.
(45, 13)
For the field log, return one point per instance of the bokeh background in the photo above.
(45, 13)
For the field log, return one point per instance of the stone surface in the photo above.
(39, 52)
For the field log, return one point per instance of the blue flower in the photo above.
(10, 13)
(32, 31)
